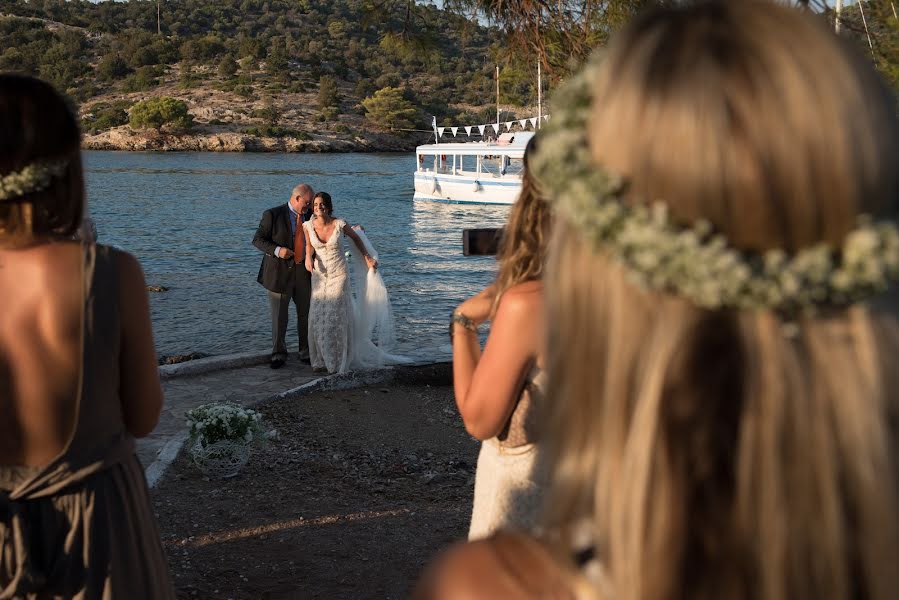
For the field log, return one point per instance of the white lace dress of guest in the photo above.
(348, 330)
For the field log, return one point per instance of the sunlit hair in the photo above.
(325, 197)
(727, 454)
(36, 124)
(523, 246)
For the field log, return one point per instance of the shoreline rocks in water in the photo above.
(174, 359)
(123, 138)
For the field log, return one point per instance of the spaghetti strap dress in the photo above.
(83, 526)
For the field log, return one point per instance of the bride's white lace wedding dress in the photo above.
(343, 329)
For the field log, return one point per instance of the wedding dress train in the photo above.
(348, 328)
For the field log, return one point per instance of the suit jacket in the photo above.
(274, 230)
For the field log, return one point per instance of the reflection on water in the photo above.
(190, 219)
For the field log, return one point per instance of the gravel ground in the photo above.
(359, 492)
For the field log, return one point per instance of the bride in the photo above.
(341, 327)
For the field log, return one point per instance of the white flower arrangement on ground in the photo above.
(220, 421)
(221, 434)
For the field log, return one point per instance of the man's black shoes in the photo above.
(305, 360)
(276, 363)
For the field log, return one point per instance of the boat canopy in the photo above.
(512, 149)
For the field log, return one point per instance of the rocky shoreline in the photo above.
(124, 139)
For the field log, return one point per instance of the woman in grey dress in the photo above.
(78, 378)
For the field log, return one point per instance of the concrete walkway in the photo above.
(245, 379)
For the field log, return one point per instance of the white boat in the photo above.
(486, 172)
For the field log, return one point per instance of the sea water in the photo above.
(190, 218)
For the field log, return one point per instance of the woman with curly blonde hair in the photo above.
(722, 322)
(498, 392)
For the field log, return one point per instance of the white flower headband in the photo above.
(31, 178)
(695, 262)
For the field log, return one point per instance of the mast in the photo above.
(539, 96)
(867, 33)
(497, 100)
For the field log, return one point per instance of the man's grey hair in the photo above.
(301, 189)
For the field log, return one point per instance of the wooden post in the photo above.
(158, 25)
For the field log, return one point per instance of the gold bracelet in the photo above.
(463, 320)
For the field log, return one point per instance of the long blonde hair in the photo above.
(525, 238)
(728, 454)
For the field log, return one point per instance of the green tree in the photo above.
(388, 108)
(276, 62)
(250, 47)
(12, 60)
(228, 67)
(883, 27)
(328, 96)
(269, 112)
(560, 34)
(143, 79)
(112, 67)
(104, 116)
(156, 113)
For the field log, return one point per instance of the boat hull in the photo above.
(463, 189)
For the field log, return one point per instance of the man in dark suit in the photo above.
(280, 236)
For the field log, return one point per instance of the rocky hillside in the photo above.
(257, 75)
(281, 121)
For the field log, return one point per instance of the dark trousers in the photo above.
(299, 291)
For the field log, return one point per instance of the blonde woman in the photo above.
(498, 392)
(722, 329)
(78, 377)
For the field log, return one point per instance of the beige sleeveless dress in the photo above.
(508, 487)
(83, 525)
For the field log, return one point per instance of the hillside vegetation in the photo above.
(298, 71)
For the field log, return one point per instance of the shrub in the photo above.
(276, 131)
(244, 91)
(228, 66)
(388, 108)
(112, 67)
(327, 93)
(105, 116)
(142, 80)
(157, 112)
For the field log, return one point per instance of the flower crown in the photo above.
(31, 178)
(694, 261)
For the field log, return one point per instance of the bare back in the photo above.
(40, 333)
(42, 291)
